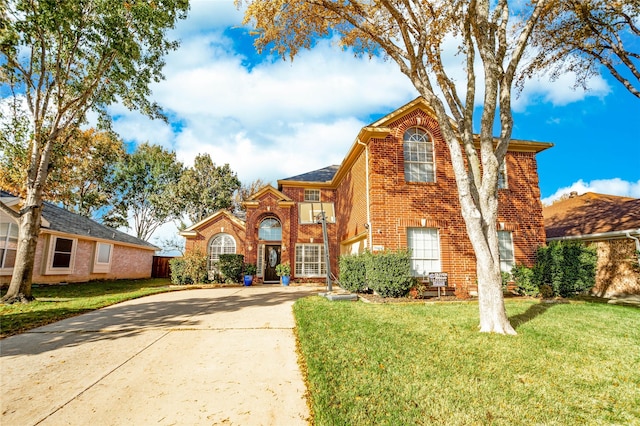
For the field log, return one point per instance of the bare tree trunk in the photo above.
(29, 229)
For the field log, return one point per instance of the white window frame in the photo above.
(225, 248)
(99, 265)
(506, 251)
(307, 212)
(312, 195)
(304, 264)
(503, 181)
(8, 242)
(419, 156)
(49, 268)
(426, 257)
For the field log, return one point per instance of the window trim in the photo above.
(512, 260)
(102, 267)
(314, 199)
(49, 268)
(5, 241)
(426, 164)
(322, 267)
(260, 228)
(413, 258)
(211, 263)
(502, 171)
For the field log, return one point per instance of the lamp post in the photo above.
(320, 218)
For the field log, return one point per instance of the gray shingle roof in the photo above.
(62, 220)
(321, 175)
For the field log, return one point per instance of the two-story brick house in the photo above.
(395, 189)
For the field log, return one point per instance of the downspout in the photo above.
(637, 240)
(366, 156)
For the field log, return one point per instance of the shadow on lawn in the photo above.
(531, 313)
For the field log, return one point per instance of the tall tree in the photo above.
(245, 192)
(80, 179)
(146, 188)
(206, 188)
(64, 58)
(581, 35)
(420, 36)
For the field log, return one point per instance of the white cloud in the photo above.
(614, 186)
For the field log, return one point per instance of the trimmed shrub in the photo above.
(177, 267)
(231, 266)
(389, 273)
(568, 267)
(190, 269)
(523, 279)
(353, 272)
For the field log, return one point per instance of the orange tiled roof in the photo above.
(591, 213)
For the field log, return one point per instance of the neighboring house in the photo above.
(612, 224)
(74, 248)
(395, 189)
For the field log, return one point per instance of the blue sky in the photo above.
(272, 119)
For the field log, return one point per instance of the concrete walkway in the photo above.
(198, 357)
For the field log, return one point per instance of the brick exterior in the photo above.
(127, 262)
(394, 205)
(617, 270)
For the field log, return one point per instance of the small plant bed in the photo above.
(374, 298)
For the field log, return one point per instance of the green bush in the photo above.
(389, 273)
(190, 269)
(177, 267)
(568, 267)
(353, 272)
(230, 266)
(546, 292)
(250, 269)
(523, 279)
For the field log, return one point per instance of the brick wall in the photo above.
(397, 205)
(223, 225)
(126, 263)
(617, 270)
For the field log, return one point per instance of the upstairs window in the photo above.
(270, 230)
(418, 156)
(312, 195)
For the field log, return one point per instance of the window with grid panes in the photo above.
(424, 244)
(418, 156)
(310, 260)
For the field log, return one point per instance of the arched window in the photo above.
(418, 156)
(220, 244)
(270, 230)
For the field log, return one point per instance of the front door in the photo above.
(271, 259)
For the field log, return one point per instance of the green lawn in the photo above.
(56, 302)
(571, 363)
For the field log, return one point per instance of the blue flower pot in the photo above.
(248, 280)
(285, 279)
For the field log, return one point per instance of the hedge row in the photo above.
(387, 273)
(562, 268)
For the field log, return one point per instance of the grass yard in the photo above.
(56, 302)
(571, 363)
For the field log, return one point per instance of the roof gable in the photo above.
(591, 213)
(213, 218)
(265, 191)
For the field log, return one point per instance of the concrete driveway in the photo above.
(198, 357)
